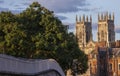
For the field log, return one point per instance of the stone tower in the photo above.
(83, 30)
(106, 28)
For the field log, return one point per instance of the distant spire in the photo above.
(83, 19)
(107, 17)
(91, 37)
(113, 16)
(98, 17)
(87, 19)
(76, 18)
(90, 18)
(110, 16)
(107, 13)
(101, 16)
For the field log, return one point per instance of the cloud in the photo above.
(94, 26)
(61, 17)
(7, 9)
(20, 8)
(26, 4)
(22, 5)
(60, 6)
(4, 9)
(117, 29)
(17, 5)
(13, 11)
(96, 9)
(84, 9)
(16, 11)
(71, 26)
(89, 9)
(63, 6)
(1, 1)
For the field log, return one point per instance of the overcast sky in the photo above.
(66, 10)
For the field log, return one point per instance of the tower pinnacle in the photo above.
(90, 18)
(76, 18)
(98, 17)
(113, 16)
(87, 18)
(83, 19)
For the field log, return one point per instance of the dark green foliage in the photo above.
(37, 33)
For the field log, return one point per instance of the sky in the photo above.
(66, 10)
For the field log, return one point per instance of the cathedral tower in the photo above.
(106, 28)
(83, 30)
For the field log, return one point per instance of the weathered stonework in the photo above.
(100, 53)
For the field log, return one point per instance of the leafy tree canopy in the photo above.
(37, 33)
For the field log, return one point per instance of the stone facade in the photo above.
(103, 59)
(114, 62)
(105, 32)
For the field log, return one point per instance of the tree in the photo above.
(37, 33)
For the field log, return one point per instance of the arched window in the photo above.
(80, 35)
(110, 67)
(102, 35)
(119, 66)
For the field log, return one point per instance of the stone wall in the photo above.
(9, 64)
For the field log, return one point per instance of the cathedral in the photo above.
(103, 54)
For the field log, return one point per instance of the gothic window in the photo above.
(87, 36)
(98, 39)
(95, 56)
(83, 27)
(109, 37)
(99, 25)
(102, 35)
(80, 36)
(110, 34)
(110, 66)
(105, 25)
(119, 66)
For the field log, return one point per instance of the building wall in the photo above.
(114, 66)
(12, 65)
